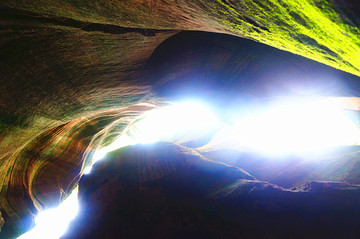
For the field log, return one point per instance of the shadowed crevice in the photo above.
(18, 14)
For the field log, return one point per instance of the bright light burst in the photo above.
(293, 128)
(287, 128)
(169, 123)
(177, 122)
(52, 223)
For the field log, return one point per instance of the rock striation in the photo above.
(72, 70)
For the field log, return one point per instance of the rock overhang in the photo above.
(67, 61)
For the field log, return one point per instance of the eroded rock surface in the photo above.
(64, 62)
(168, 191)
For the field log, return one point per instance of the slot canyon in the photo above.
(81, 79)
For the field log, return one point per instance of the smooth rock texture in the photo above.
(234, 73)
(168, 191)
(47, 169)
(70, 70)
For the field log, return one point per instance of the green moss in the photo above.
(311, 28)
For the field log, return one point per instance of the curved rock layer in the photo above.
(52, 73)
(69, 69)
(322, 30)
(47, 169)
(229, 71)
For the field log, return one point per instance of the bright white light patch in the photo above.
(292, 128)
(52, 223)
(122, 141)
(175, 123)
(295, 128)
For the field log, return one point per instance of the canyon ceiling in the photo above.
(75, 73)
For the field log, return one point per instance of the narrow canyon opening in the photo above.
(179, 119)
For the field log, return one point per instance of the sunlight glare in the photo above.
(52, 223)
(122, 141)
(174, 123)
(295, 128)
